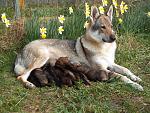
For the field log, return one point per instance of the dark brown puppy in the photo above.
(98, 75)
(83, 69)
(40, 77)
(47, 74)
(66, 72)
(61, 76)
(70, 67)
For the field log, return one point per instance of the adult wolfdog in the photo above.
(96, 48)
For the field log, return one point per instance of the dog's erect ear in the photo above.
(110, 12)
(94, 13)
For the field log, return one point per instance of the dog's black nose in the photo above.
(112, 37)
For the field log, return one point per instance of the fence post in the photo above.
(22, 4)
(17, 10)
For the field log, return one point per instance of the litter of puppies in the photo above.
(66, 72)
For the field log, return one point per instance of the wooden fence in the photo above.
(21, 4)
(7, 3)
(11, 3)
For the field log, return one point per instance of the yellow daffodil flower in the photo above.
(148, 14)
(86, 5)
(7, 22)
(87, 10)
(86, 24)
(3, 17)
(60, 29)
(115, 3)
(70, 10)
(43, 36)
(61, 19)
(101, 10)
(105, 2)
(122, 2)
(117, 13)
(120, 20)
(123, 7)
(126, 7)
(43, 30)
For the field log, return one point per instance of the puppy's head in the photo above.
(100, 26)
(67, 62)
(62, 61)
(103, 75)
(38, 78)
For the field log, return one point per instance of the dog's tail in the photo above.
(19, 67)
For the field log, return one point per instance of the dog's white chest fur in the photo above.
(107, 50)
(103, 54)
(106, 55)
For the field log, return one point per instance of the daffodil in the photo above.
(122, 2)
(61, 19)
(87, 10)
(86, 5)
(117, 13)
(101, 10)
(115, 3)
(86, 24)
(120, 20)
(60, 29)
(70, 10)
(7, 22)
(43, 30)
(123, 7)
(122, 10)
(126, 7)
(105, 2)
(148, 14)
(43, 36)
(3, 17)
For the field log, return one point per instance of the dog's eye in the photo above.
(96, 27)
(103, 27)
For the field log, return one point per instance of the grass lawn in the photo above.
(133, 52)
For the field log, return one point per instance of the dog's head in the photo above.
(100, 26)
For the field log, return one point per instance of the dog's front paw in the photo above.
(135, 78)
(29, 85)
(137, 86)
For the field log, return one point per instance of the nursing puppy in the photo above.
(66, 72)
(83, 70)
(40, 77)
(47, 74)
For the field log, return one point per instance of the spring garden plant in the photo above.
(63, 20)
(5, 20)
(71, 24)
(43, 32)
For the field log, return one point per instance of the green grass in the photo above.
(73, 24)
(136, 19)
(133, 52)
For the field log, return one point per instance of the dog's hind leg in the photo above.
(38, 62)
(127, 81)
(124, 71)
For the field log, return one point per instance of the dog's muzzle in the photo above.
(109, 39)
(112, 38)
